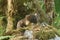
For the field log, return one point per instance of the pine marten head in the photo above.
(31, 19)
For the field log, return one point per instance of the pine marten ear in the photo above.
(35, 14)
(27, 16)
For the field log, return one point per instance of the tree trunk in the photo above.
(9, 15)
(40, 11)
(49, 5)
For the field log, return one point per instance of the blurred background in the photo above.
(11, 11)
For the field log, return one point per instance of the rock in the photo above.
(29, 34)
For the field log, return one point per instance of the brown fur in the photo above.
(26, 21)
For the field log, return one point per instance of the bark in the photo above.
(9, 15)
(49, 5)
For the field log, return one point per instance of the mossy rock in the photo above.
(46, 33)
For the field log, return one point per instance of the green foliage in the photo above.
(57, 6)
(1, 30)
(5, 37)
(58, 31)
(57, 21)
(1, 27)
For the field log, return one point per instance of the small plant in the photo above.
(5, 37)
(1, 30)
